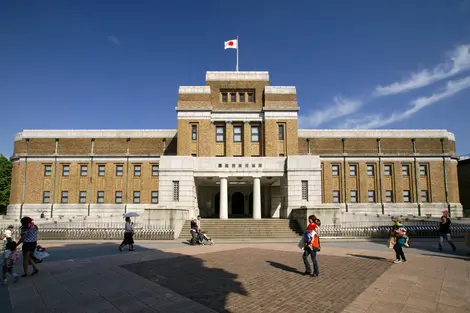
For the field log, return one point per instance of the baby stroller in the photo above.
(202, 238)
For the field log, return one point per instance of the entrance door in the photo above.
(250, 204)
(238, 203)
(217, 205)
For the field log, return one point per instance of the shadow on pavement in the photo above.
(370, 257)
(284, 267)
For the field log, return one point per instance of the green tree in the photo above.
(5, 183)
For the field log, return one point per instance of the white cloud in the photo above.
(114, 40)
(459, 61)
(373, 121)
(340, 107)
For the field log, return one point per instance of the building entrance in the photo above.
(238, 203)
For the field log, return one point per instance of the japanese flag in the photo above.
(231, 44)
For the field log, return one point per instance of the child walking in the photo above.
(401, 232)
(10, 257)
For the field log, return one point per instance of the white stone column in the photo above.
(223, 213)
(256, 198)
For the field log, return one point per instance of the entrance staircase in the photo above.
(247, 229)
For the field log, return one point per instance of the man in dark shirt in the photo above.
(444, 232)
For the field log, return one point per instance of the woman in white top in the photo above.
(128, 235)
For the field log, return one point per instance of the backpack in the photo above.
(308, 237)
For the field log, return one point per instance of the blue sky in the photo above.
(118, 64)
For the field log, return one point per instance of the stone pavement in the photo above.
(171, 277)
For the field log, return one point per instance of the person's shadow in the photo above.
(284, 267)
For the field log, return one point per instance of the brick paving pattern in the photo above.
(257, 280)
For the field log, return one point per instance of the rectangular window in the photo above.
(64, 197)
(233, 97)
(423, 170)
(388, 196)
(83, 170)
(155, 197)
(176, 191)
(406, 196)
(65, 170)
(220, 133)
(237, 133)
(224, 97)
(335, 170)
(405, 170)
(101, 169)
(281, 131)
(136, 198)
(424, 196)
(82, 197)
(305, 190)
(254, 133)
(370, 170)
(119, 170)
(118, 197)
(336, 196)
(241, 96)
(251, 97)
(100, 197)
(47, 170)
(137, 170)
(352, 170)
(194, 132)
(371, 196)
(46, 197)
(155, 169)
(353, 196)
(388, 170)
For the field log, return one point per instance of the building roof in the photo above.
(237, 76)
(376, 133)
(96, 133)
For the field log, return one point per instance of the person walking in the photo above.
(400, 241)
(128, 235)
(444, 233)
(312, 246)
(7, 236)
(29, 239)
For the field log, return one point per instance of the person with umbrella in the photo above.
(128, 233)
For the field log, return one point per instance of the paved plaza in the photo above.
(174, 277)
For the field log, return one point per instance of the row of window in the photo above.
(388, 170)
(237, 133)
(101, 170)
(64, 198)
(237, 96)
(388, 196)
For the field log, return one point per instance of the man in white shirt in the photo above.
(7, 235)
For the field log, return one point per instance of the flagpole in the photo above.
(238, 46)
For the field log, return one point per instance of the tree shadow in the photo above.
(284, 267)
(152, 278)
(370, 257)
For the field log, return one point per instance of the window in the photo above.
(251, 97)
(281, 131)
(388, 196)
(237, 133)
(47, 170)
(336, 196)
(176, 191)
(405, 170)
(118, 197)
(82, 197)
(335, 170)
(220, 133)
(406, 196)
(137, 170)
(255, 133)
(155, 169)
(233, 97)
(46, 197)
(423, 170)
(119, 169)
(83, 170)
(281, 155)
(100, 197)
(101, 170)
(371, 196)
(305, 190)
(388, 170)
(136, 198)
(352, 170)
(353, 196)
(65, 170)
(424, 196)
(64, 198)
(194, 132)
(241, 96)
(370, 170)
(224, 97)
(155, 197)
